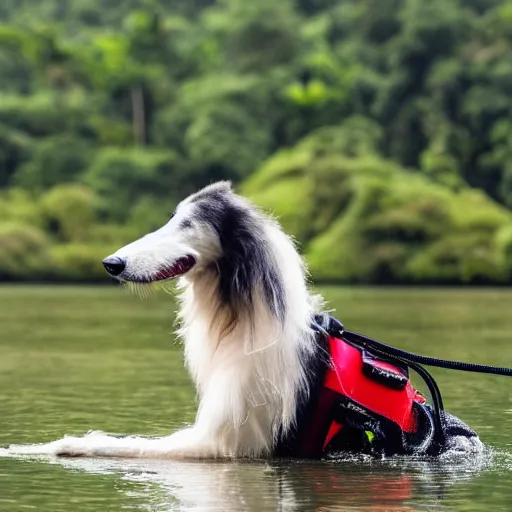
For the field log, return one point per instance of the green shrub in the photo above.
(24, 252)
(55, 160)
(70, 211)
(227, 138)
(18, 205)
(43, 114)
(121, 177)
(289, 199)
(15, 148)
(458, 258)
(80, 262)
(363, 219)
(503, 243)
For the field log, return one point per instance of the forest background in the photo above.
(378, 131)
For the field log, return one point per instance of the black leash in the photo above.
(426, 360)
(337, 328)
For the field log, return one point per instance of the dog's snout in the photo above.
(114, 265)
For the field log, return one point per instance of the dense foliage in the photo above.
(379, 130)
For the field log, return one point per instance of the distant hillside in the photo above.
(363, 219)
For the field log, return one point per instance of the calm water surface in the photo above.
(76, 359)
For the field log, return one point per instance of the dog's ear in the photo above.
(217, 188)
(223, 185)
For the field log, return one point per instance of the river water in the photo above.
(75, 359)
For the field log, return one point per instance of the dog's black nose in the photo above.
(114, 265)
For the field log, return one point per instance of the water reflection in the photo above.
(392, 485)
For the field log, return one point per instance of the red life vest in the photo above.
(373, 388)
(361, 400)
(366, 394)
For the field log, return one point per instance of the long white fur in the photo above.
(248, 379)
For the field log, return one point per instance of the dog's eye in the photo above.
(172, 215)
(186, 224)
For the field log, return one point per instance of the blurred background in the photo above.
(379, 131)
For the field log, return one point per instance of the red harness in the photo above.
(362, 401)
(366, 393)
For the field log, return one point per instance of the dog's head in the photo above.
(192, 239)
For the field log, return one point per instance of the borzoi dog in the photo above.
(247, 323)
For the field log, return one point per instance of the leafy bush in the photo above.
(15, 148)
(364, 219)
(43, 114)
(70, 211)
(20, 206)
(121, 177)
(80, 262)
(55, 160)
(24, 252)
(226, 138)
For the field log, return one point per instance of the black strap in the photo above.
(337, 329)
(426, 360)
